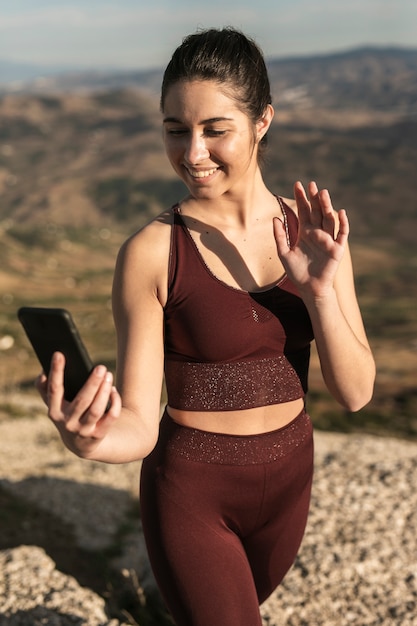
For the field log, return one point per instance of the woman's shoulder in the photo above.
(145, 254)
(153, 236)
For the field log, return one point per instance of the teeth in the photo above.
(196, 174)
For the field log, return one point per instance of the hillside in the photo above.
(374, 77)
(92, 142)
(377, 79)
(82, 166)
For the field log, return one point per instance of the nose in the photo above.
(196, 148)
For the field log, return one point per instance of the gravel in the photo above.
(357, 564)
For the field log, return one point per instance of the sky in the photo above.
(140, 34)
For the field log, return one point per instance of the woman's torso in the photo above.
(221, 321)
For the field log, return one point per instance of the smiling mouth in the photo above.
(202, 173)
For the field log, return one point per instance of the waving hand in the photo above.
(313, 261)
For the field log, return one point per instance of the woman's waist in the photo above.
(232, 386)
(252, 421)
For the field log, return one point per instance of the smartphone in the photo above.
(52, 330)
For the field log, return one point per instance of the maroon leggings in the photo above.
(224, 517)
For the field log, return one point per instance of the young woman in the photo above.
(223, 293)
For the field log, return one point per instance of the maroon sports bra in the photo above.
(228, 349)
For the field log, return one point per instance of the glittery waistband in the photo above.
(231, 386)
(223, 449)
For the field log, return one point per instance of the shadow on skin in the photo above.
(214, 240)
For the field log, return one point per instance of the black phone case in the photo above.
(52, 330)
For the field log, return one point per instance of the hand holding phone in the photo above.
(84, 424)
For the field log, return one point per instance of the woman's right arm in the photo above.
(129, 429)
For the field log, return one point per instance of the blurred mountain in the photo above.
(83, 148)
(15, 75)
(379, 78)
(374, 78)
(26, 78)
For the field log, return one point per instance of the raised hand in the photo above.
(313, 261)
(84, 422)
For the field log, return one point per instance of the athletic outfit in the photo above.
(224, 515)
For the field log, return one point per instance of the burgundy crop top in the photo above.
(225, 348)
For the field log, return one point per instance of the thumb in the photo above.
(280, 235)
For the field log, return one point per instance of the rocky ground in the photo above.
(71, 549)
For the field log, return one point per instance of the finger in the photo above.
(85, 403)
(303, 204)
(115, 402)
(55, 386)
(100, 403)
(316, 199)
(280, 235)
(100, 428)
(328, 213)
(343, 232)
(101, 415)
(313, 191)
(111, 414)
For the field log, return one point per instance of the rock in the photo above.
(33, 591)
(357, 564)
(358, 561)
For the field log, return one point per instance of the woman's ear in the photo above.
(264, 123)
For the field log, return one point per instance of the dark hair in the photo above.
(228, 57)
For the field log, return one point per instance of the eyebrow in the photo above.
(210, 120)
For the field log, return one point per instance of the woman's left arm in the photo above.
(320, 266)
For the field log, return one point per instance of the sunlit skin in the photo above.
(236, 222)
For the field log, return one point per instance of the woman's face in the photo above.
(211, 144)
